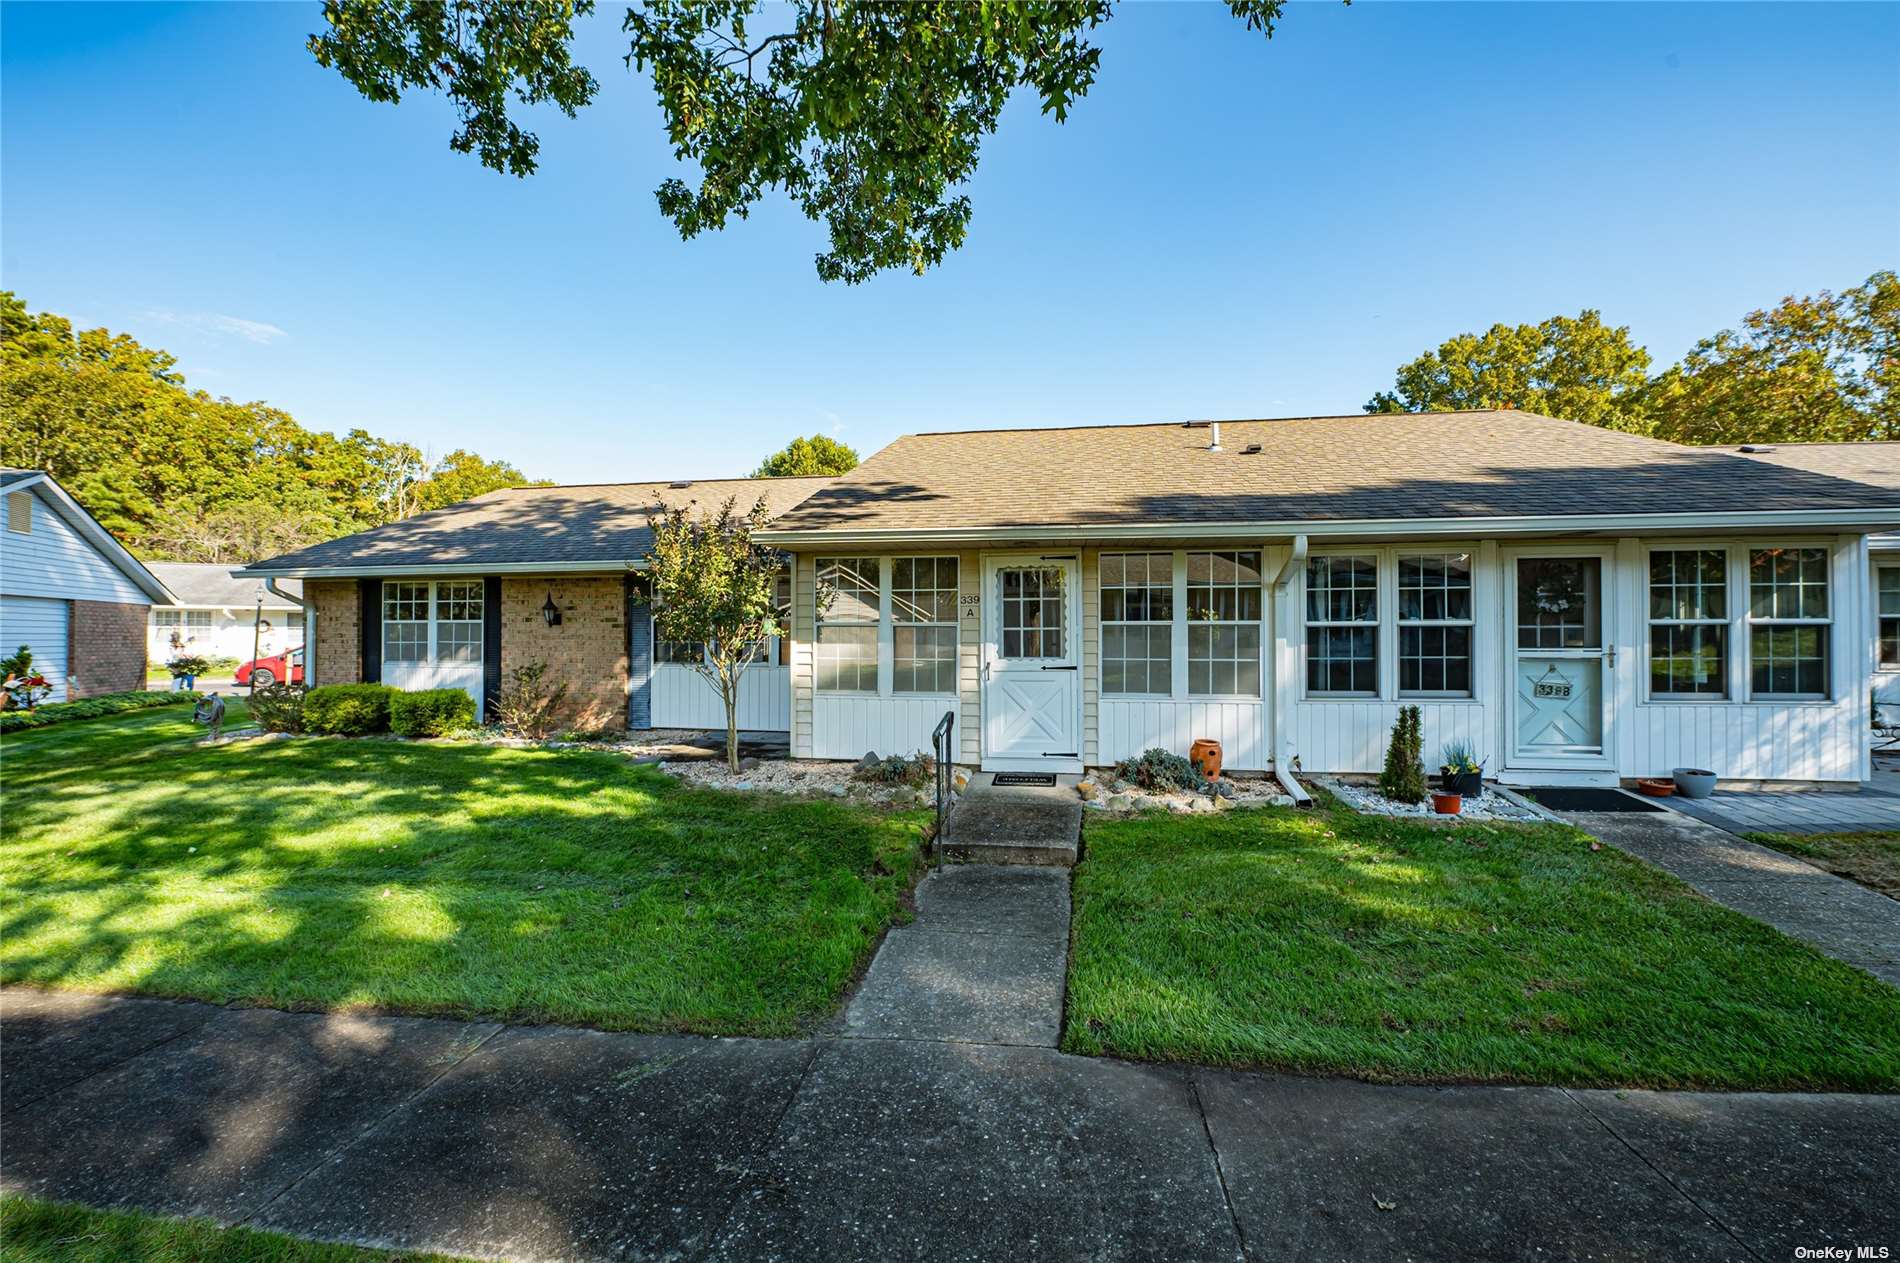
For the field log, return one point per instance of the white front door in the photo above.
(1032, 664)
(1560, 658)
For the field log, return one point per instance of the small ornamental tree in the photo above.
(1403, 780)
(712, 585)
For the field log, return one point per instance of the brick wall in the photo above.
(339, 647)
(107, 647)
(587, 652)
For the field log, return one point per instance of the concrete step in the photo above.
(1001, 828)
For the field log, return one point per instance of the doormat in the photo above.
(1568, 798)
(1045, 779)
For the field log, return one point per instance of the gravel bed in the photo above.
(1489, 806)
(795, 776)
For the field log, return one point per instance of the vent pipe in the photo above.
(1214, 443)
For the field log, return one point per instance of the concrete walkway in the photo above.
(1838, 917)
(1869, 809)
(553, 1143)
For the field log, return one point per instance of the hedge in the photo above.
(347, 710)
(430, 712)
(92, 708)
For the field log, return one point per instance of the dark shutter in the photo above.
(639, 656)
(369, 594)
(491, 645)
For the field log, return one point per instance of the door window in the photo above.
(1559, 603)
(1034, 613)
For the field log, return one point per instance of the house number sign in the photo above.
(1551, 685)
(970, 601)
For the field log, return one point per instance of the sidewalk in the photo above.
(553, 1143)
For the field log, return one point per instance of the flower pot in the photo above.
(1465, 784)
(1447, 804)
(1694, 782)
(1656, 786)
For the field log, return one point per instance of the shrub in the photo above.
(347, 710)
(279, 708)
(1403, 780)
(24, 686)
(916, 771)
(430, 712)
(1156, 769)
(92, 708)
(188, 664)
(528, 705)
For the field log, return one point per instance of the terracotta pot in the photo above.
(1656, 786)
(1448, 804)
(1205, 755)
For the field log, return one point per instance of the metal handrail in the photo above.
(940, 749)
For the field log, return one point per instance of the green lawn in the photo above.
(1872, 859)
(33, 1231)
(1335, 942)
(458, 879)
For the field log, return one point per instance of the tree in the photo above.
(710, 584)
(807, 458)
(868, 114)
(463, 475)
(1821, 368)
(1576, 368)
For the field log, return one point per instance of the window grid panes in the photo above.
(844, 650)
(1888, 647)
(679, 653)
(924, 625)
(1342, 625)
(1559, 603)
(1434, 619)
(405, 622)
(1223, 624)
(458, 622)
(1137, 623)
(1688, 622)
(1034, 613)
(1788, 613)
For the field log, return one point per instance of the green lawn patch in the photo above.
(1872, 859)
(33, 1231)
(1332, 942)
(459, 879)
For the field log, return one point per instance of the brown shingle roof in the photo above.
(1876, 464)
(604, 525)
(1429, 465)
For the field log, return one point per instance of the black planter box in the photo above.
(1469, 784)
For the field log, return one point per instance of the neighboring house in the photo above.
(69, 591)
(219, 615)
(1578, 604)
(1879, 465)
(463, 596)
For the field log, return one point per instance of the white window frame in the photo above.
(1386, 623)
(880, 652)
(1750, 622)
(1881, 570)
(890, 623)
(1188, 623)
(1176, 590)
(1178, 629)
(1735, 635)
(1469, 623)
(1381, 607)
(432, 622)
(885, 638)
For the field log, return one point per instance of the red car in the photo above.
(265, 672)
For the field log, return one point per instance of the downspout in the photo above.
(309, 632)
(1282, 679)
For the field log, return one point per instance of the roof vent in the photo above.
(1213, 442)
(684, 482)
(1252, 449)
(1756, 447)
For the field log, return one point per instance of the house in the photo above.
(463, 596)
(1577, 604)
(1879, 465)
(218, 615)
(69, 591)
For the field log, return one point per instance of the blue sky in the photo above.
(1225, 227)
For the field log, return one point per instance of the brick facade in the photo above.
(587, 652)
(336, 657)
(106, 647)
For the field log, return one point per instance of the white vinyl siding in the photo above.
(42, 625)
(55, 560)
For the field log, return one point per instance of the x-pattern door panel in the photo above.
(1031, 678)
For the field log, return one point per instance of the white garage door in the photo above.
(40, 624)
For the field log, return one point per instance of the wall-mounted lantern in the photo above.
(550, 612)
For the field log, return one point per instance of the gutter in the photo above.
(426, 568)
(1283, 755)
(1887, 519)
(309, 630)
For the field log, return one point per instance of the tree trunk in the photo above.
(730, 689)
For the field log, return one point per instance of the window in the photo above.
(1688, 623)
(684, 653)
(1034, 612)
(20, 512)
(1788, 622)
(1434, 620)
(458, 621)
(405, 622)
(1887, 591)
(924, 624)
(1137, 623)
(1342, 626)
(1223, 624)
(845, 647)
